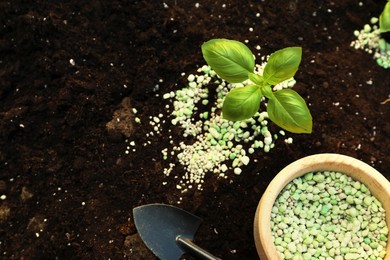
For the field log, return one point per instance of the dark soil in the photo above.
(69, 186)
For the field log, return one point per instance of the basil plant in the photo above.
(235, 63)
(384, 19)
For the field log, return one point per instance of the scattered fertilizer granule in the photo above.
(219, 144)
(369, 39)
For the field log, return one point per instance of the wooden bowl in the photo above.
(358, 170)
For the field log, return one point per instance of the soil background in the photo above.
(69, 187)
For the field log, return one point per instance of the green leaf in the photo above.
(231, 60)
(241, 103)
(255, 78)
(289, 110)
(282, 65)
(267, 91)
(384, 19)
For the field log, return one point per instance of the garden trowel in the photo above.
(168, 231)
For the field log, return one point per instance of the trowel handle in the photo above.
(195, 250)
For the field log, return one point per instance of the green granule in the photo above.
(328, 215)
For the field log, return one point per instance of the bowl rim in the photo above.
(357, 169)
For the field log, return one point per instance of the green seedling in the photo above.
(234, 62)
(384, 19)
